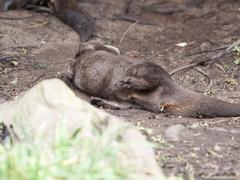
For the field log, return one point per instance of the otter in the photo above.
(100, 71)
(66, 10)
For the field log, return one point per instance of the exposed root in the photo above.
(209, 78)
(182, 68)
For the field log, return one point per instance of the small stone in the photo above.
(172, 133)
(133, 53)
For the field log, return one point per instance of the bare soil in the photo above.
(41, 47)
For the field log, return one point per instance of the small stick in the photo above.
(219, 121)
(37, 79)
(182, 68)
(208, 51)
(37, 25)
(127, 31)
(17, 18)
(205, 74)
(220, 67)
(230, 48)
(220, 177)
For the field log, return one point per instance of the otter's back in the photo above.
(99, 73)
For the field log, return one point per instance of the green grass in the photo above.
(69, 157)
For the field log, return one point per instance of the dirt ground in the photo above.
(207, 148)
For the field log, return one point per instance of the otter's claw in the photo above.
(127, 83)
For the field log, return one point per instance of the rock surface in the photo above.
(173, 133)
(51, 102)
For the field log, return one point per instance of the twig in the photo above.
(4, 92)
(198, 69)
(37, 25)
(37, 8)
(37, 79)
(220, 67)
(125, 18)
(215, 58)
(236, 118)
(18, 18)
(182, 68)
(127, 31)
(209, 86)
(230, 48)
(222, 130)
(3, 86)
(218, 56)
(208, 50)
(205, 74)
(3, 71)
(203, 62)
(130, 19)
(219, 177)
(209, 61)
(219, 121)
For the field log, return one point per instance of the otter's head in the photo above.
(151, 73)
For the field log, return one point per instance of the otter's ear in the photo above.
(69, 72)
(100, 46)
(97, 46)
(83, 48)
(66, 76)
(112, 49)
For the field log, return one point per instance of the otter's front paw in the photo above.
(128, 82)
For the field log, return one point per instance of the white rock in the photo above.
(41, 109)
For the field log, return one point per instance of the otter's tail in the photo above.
(187, 103)
(212, 107)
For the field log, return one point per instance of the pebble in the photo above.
(173, 133)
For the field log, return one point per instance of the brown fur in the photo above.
(104, 74)
(66, 10)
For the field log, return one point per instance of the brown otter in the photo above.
(66, 10)
(100, 71)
